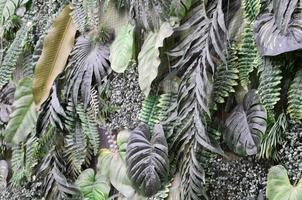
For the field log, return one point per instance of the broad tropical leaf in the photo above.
(23, 118)
(279, 186)
(148, 58)
(93, 186)
(278, 28)
(122, 49)
(246, 125)
(56, 48)
(111, 164)
(88, 65)
(147, 159)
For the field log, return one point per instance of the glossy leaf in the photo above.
(56, 49)
(148, 58)
(279, 186)
(92, 185)
(121, 50)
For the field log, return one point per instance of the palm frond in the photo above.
(89, 65)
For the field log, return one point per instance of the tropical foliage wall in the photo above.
(220, 79)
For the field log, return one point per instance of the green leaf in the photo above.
(148, 58)
(3, 174)
(112, 166)
(279, 187)
(56, 49)
(93, 186)
(121, 50)
(294, 108)
(23, 118)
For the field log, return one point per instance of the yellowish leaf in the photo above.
(56, 49)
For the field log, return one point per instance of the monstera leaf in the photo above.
(121, 50)
(279, 187)
(93, 186)
(23, 118)
(56, 48)
(246, 125)
(148, 58)
(278, 29)
(147, 159)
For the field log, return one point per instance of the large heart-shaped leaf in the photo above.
(148, 58)
(121, 50)
(279, 187)
(147, 159)
(246, 125)
(56, 49)
(23, 118)
(278, 29)
(93, 186)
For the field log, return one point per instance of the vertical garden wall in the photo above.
(151, 99)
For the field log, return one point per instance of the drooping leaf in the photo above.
(294, 108)
(147, 159)
(88, 65)
(92, 185)
(56, 48)
(278, 27)
(122, 48)
(148, 58)
(246, 125)
(279, 186)
(180, 8)
(23, 118)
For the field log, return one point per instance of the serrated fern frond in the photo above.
(252, 9)
(269, 88)
(248, 56)
(12, 55)
(294, 108)
(226, 77)
(89, 127)
(149, 111)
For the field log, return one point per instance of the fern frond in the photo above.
(226, 78)
(94, 102)
(248, 56)
(79, 16)
(13, 54)
(55, 184)
(252, 9)
(149, 111)
(294, 108)
(89, 127)
(269, 88)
